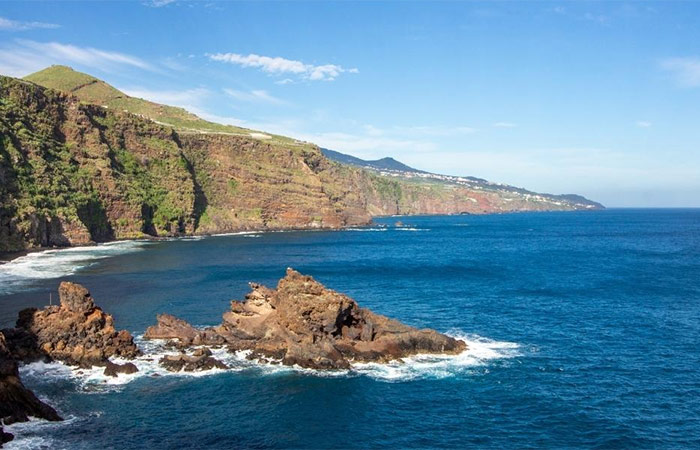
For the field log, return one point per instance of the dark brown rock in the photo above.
(17, 403)
(114, 369)
(77, 332)
(170, 327)
(75, 297)
(304, 323)
(176, 363)
(5, 437)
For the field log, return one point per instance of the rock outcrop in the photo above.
(5, 437)
(75, 332)
(114, 369)
(17, 403)
(303, 323)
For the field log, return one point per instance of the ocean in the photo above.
(583, 332)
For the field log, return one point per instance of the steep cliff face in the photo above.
(249, 183)
(73, 172)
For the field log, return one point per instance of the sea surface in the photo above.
(583, 327)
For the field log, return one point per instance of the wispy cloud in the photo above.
(685, 70)
(600, 19)
(254, 96)
(188, 99)
(643, 124)
(23, 57)
(279, 66)
(505, 125)
(18, 25)
(159, 3)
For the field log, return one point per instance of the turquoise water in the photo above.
(583, 329)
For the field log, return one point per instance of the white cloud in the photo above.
(278, 66)
(159, 3)
(254, 96)
(685, 70)
(285, 81)
(18, 25)
(23, 57)
(643, 124)
(505, 125)
(188, 99)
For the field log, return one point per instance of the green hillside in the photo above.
(93, 90)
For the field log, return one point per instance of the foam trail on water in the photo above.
(20, 272)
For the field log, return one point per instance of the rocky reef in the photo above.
(300, 322)
(303, 323)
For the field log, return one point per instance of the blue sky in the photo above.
(599, 98)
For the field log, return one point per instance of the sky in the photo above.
(596, 98)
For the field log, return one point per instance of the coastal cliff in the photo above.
(85, 163)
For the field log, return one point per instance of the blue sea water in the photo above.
(583, 329)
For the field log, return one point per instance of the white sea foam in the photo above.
(411, 229)
(36, 433)
(58, 263)
(237, 233)
(363, 229)
(480, 353)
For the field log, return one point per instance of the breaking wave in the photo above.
(17, 274)
(480, 352)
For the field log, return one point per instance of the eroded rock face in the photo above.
(304, 323)
(75, 332)
(17, 403)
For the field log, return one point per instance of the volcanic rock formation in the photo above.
(75, 332)
(303, 323)
(17, 402)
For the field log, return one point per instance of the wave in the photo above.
(56, 263)
(36, 433)
(236, 233)
(480, 352)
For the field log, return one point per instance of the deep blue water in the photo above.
(589, 327)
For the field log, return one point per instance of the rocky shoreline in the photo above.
(299, 323)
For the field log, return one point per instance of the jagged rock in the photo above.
(170, 327)
(304, 323)
(114, 369)
(5, 437)
(176, 363)
(17, 403)
(75, 297)
(77, 332)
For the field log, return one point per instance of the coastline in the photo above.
(6, 257)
